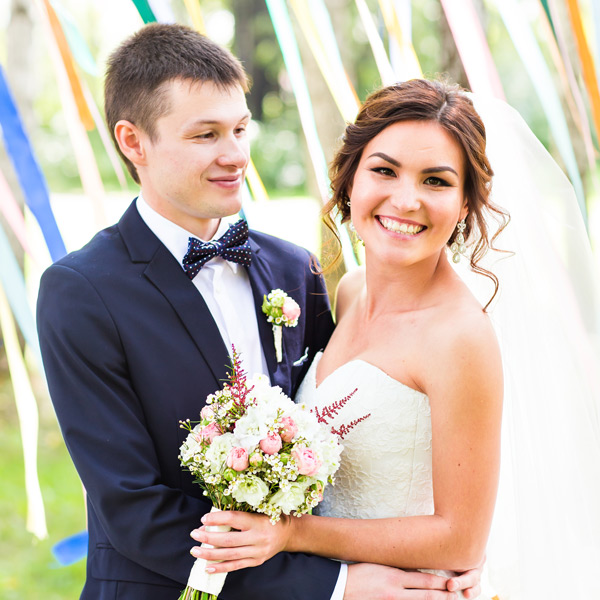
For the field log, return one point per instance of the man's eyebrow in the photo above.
(248, 116)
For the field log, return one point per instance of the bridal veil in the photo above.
(545, 539)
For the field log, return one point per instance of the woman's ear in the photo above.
(131, 141)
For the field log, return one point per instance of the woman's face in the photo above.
(408, 192)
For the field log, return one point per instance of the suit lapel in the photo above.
(167, 276)
(261, 280)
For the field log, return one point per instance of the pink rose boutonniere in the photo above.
(281, 310)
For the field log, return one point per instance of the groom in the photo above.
(136, 328)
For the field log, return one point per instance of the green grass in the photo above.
(28, 569)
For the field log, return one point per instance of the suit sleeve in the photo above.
(105, 431)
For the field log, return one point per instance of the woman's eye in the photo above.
(205, 136)
(383, 170)
(436, 182)
(240, 130)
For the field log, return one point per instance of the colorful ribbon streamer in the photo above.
(28, 171)
(143, 7)
(473, 48)
(518, 27)
(316, 27)
(408, 66)
(65, 52)
(28, 420)
(291, 57)
(11, 279)
(193, 8)
(76, 41)
(15, 218)
(386, 72)
(84, 155)
(560, 55)
(587, 62)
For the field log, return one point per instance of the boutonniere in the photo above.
(280, 310)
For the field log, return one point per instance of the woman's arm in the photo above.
(463, 378)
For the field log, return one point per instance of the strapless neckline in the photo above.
(312, 373)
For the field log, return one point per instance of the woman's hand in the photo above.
(254, 540)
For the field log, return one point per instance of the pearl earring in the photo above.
(458, 247)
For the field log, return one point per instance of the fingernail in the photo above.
(195, 552)
(210, 569)
(203, 519)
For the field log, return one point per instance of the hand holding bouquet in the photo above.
(254, 450)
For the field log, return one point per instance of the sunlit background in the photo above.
(311, 63)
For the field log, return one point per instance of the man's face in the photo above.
(192, 172)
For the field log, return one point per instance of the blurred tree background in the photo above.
(279, 151)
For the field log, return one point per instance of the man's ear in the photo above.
(131, 141)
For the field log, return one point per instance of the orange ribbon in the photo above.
(587, 62)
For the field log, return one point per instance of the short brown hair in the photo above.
(423, 100)
(139, 69)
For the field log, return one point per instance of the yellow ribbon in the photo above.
(28, 420)
(193, 8)
(410, 62)
(338, 83)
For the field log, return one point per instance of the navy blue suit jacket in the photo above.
(130, 349)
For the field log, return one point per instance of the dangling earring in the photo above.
(458, 246)
(352, 228)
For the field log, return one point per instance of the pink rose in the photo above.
(290, 309)
(271, 444)
(208, 432)
(307, 460)
(288, 429)
(237, 459)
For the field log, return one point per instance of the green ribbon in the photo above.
(145, 11)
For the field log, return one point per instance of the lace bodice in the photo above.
(385, 466)
(390, 450)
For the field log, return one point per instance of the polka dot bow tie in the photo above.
(233, 246)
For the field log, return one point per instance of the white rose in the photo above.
(189, 449)
(308, 426)
(218, 450)
(289, 499)
(250, 489)
(251, 428)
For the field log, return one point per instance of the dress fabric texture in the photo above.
(385, 468)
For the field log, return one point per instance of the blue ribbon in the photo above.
(28, 171)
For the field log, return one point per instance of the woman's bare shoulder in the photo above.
(349, 287)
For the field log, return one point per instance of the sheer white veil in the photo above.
(545, 540)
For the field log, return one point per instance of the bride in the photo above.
(419, 475)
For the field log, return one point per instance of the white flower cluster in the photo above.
(255, 450)
(281, 309)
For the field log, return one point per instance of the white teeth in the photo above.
(398, 227)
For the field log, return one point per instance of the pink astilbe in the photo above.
(330, 411)
(237, 380)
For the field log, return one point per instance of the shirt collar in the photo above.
(176, 238)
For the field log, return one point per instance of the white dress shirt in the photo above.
(225, 287)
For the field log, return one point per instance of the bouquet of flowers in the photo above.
(254, 450)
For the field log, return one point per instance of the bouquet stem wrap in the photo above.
(210, 584)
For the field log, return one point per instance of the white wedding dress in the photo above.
(385, 468)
